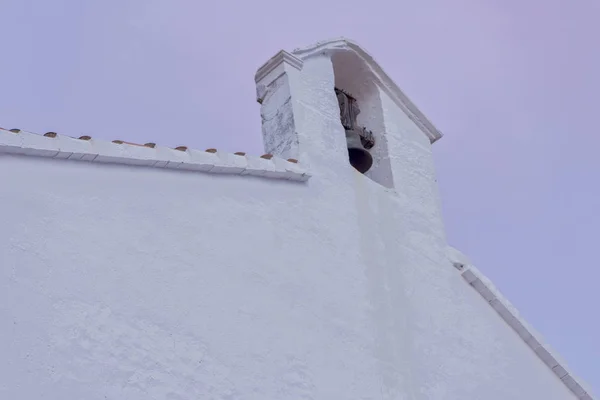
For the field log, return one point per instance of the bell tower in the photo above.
(332, 107)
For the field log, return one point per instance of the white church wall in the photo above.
(129, 282)
(412, 163)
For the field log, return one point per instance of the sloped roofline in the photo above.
(510, 315)
(382, 78)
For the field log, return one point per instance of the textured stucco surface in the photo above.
(132, 283)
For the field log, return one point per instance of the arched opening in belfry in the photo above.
(361, 114)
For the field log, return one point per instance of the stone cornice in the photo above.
(275, 61)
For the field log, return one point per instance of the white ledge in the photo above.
(511, 316)
(64, 147)
(383, 80)
(281, 57)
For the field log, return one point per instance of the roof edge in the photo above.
(384, 80)
(85, 148)
(511, 316)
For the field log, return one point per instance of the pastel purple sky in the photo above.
(512, 83)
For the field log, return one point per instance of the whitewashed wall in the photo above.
(122, 282)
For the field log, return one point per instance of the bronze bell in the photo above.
(359, 140)
(359, 157)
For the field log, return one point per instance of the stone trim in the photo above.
(279, 58)
(119, 152)
(533, 339)
(382, 79)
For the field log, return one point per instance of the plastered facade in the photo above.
(128, 281)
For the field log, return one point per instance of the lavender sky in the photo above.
(512, 83)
